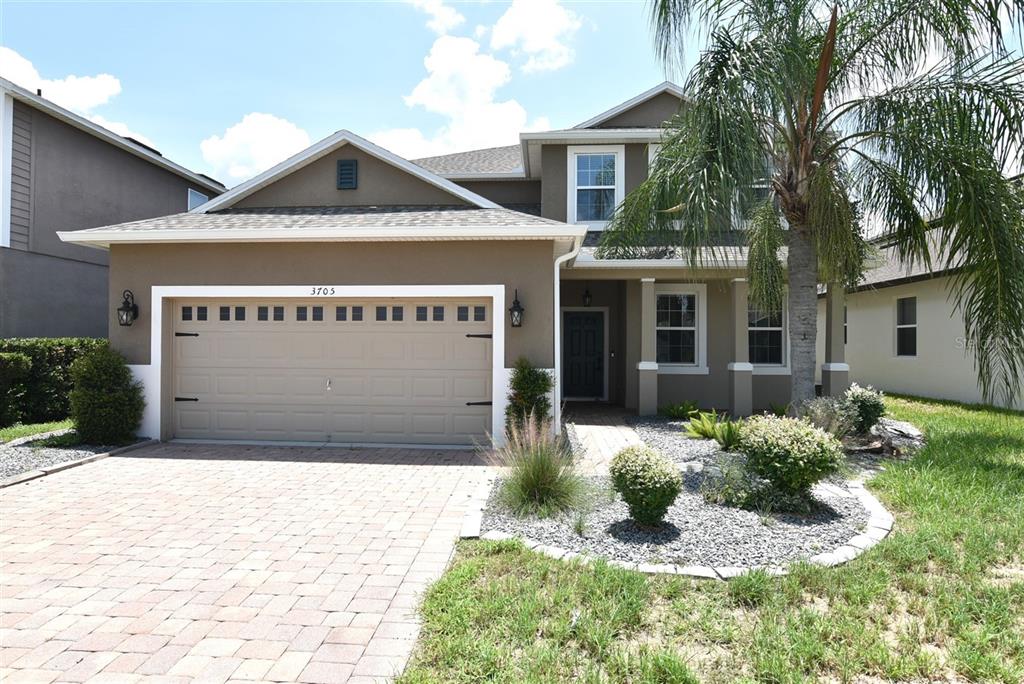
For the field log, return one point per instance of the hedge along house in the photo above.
(348, 295)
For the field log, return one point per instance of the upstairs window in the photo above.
(765, 336)
(906, 326)
(195, 198)
(596, 184)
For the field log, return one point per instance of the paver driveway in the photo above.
(211, 563)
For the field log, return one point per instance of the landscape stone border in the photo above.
(49, 470)
(880, 522)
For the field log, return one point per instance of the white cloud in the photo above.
(461, 84)
(443, 18)
(80, 93)
(539, 29)
(253, 145)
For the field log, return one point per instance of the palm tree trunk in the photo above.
(803, 314)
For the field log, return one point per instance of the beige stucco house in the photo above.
(349, 295)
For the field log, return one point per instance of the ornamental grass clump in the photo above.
(541, 478)
(867, 403)
(790, 453)
(647, 481)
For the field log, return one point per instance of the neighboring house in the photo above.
(902, 332)
(59, 171)
(350, 295)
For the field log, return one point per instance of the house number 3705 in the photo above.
(322, 291)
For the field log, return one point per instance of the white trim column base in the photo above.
(741, 388)
(835, 379)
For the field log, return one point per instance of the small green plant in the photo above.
(733, 487)
(867, 403)
(14, 368)
(684, 410)
(106, 403)
(750, 589)
(579, 524)
(778, 410)
(727, 434)
(704, 425)
(542, 478)
(834, 416)
(790, 453)
(528, 394)
(647, 481)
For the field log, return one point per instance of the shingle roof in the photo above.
(886, 268)
(507, 159)
(326, 218)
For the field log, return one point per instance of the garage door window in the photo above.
(239, 313)
(479, 313)
(225, 313)
(341, 313)
(301, 314)
(382, 313)
(318, 313)
(438, 313)
(200, 313)
(186, 313)
(278, 313)
(357, 313)
(421, 313)
(463, 313)
(397, 313)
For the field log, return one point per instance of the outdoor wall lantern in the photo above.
(515, 312)
(587, 299)
(129, 310)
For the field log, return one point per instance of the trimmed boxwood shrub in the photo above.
(528, 394)
(45, 388)
(867, 403)
(13, 369)
(647, 481)
(106, 402)
(790, 453)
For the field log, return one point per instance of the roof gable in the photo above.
(290, 190)
(649, 109)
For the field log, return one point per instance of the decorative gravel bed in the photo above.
(695, 532)
(15, 460)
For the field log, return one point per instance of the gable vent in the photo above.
(348, 174)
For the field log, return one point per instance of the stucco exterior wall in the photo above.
(506, 192)
(554, 189)
(650, 114)
(943, 367)
(316, 185)
(46, 296)
(527, 266)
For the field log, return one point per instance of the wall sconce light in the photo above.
(129, 310)
(587, 298)
(515, 311)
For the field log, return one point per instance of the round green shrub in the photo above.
(790, 453)
(647, 481)
(106, 403)
(867, 403)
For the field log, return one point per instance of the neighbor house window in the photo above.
(764, 336)
(906, 326)
(596, 183)
(676, 328)
(195, 198)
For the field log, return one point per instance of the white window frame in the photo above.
(773, 368)
(897, 326)
(572, 151)
(652, 154)
(700, 365)
(6, 159)
(194, 195)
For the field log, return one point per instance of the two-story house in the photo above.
(349, 295)
(60, 171)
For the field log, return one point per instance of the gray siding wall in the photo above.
(21, 178)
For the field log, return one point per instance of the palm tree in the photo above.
(818, 124)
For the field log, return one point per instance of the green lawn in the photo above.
(16, 431)
(941, 598)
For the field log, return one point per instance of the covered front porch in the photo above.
(646, 338)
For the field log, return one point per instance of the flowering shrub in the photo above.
(647, 481)
(867, 403)
(790, 453)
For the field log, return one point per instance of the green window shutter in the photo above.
(348, 174)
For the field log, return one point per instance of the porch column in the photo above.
(835, 372)
(741, 371)
(647, 369)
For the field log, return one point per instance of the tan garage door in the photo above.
(334, 370)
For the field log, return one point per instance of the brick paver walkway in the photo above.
(182, 563)
(603, 432)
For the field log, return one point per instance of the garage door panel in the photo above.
(278, 374)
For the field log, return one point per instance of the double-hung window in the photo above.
(676, 328)
(596, 183)
(765, 336)
(906, 326)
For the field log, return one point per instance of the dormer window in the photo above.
(596, 183)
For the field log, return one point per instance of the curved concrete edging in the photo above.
(56, 468)
(879, 525)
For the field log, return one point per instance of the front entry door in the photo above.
(583, 355)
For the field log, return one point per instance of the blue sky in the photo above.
(231, 88)
(190, 71)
